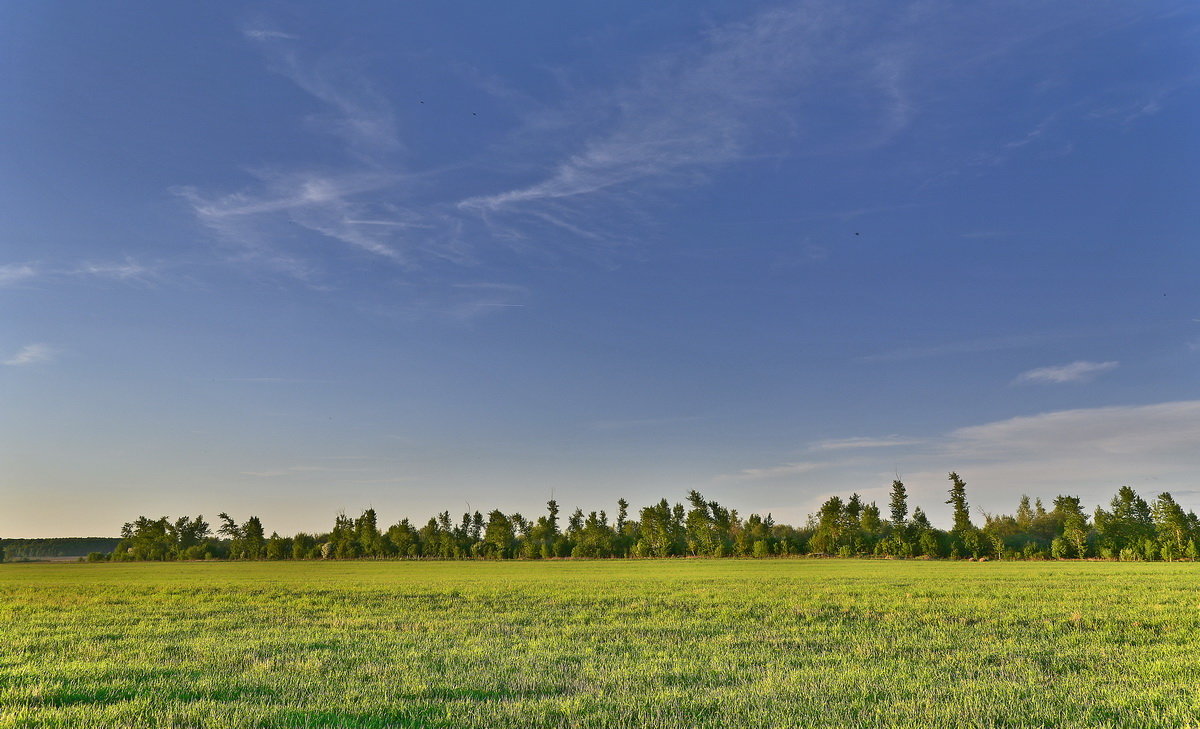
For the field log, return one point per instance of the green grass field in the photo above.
(673, 643)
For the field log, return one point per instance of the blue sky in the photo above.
(292, 259)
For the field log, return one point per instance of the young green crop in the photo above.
(629, 643)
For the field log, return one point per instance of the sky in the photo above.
(294, 259)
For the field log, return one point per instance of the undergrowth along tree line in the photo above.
(1129, 529)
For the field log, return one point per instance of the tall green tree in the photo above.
(1071, 524)
(699, 525)
(829, 526)
(958, 501)
(657, 530)
(1171, 525)
(367, 535)
(499, 536)
(1126, 526)
(255, 538)
(190, 533)
(899, 504)
(870, 524)
(1024, 518)
(232, 531)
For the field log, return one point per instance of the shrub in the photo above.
(1059, 548)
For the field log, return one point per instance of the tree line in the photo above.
(1129, 529)
(32, 549)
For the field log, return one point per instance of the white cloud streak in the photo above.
(691, 112)
(15, 273)
(31, 354)
(1080, 371)
(360, 116)
(809, 77)
(323, 204)
(353, 206)
(127, 270)
(644, 423)
(263, 34)
(1089, 452)
(785, 470)
(466, 302)
(973, 346)
(891, 441)
(1142, 431)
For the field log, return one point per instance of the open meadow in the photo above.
(629, 643)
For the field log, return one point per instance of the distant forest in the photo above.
(55, 547)
(1129, 529)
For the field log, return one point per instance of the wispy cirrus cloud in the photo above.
(267, 34)
(461, 303)
(891, 441)
(784, 470)
(352, 205)
(644, 423)
(32, 354)
(359, 204)
(330, 206)
(1146, 430)
(578, 172)
(1080, 371)
(1089, 452)
(470, 300)
(991, 344)
(358, 113)
(276, 380)
(126, 270)
(739, 92)
(15, 273)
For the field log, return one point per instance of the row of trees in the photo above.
(661, 530)
(1130, 529)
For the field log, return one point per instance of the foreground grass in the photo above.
(677, 643)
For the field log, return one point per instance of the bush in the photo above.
(196, 552)
(761, 549)
(1059, 548)
(1149, 549)
(929, 544)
